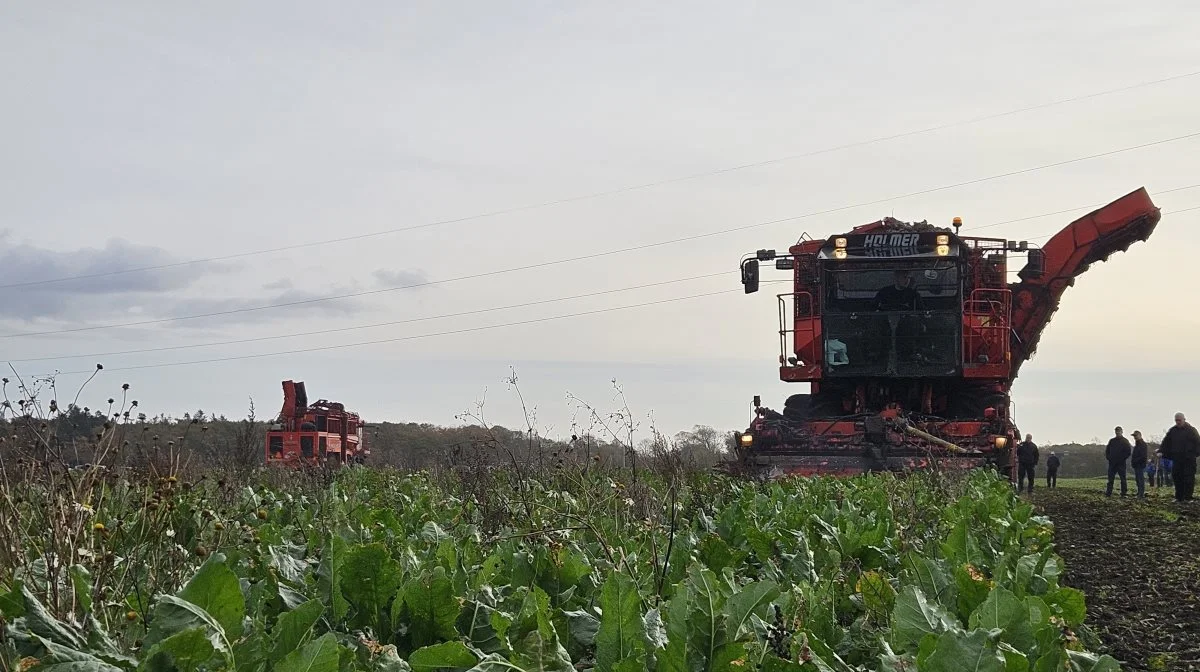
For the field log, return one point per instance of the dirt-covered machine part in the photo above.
(910, 337)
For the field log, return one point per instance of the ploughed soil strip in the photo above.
(1138, 562)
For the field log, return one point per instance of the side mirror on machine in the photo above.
(750, 275)
(1035, 267)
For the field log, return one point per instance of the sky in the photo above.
(435, 141)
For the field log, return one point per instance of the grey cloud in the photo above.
(241, 310)
(401, 278)
(109, 290)
(282, 283)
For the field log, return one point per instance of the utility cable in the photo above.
(398, 339)
(601, 194)
(378, 324)
(1069, 210)
(498, 308)
(428, 335)
(1163, 212)
(609, 252)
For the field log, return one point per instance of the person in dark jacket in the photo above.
(1052, 464)
(1138, 460)
(1117, 453)
(1181, 445)
(1027, 459)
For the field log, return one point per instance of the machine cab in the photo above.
(891, 304)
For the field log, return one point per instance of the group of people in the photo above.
(1174, 462)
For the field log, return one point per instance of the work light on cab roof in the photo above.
(910, 336)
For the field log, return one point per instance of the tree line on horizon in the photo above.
(205, 440)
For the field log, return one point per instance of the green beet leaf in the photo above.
(750, 600)
(1071, 604)
(185, 651)
(369, 579)
(81, 581)
(1003, 610)
(173, 615)
(329, 577)
(1082, 661)
(61, 658)
(444, 656)
(958, 650)
(41, 623)
(430, 608)
(216, 590)
(536, 644)
(293, 628)
(319, 655)
(914, 617)
(1014, 660)
(621, 636)
(485, 627)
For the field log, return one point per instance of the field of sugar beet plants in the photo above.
(368, 569)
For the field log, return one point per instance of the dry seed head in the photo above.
(131, 615)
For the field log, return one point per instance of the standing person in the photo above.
(1052, 463)
(1027, 459)
(1138, 460)
(1117, 452)
(1182, 445)
(1152, 471)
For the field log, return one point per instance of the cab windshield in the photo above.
(876, 286)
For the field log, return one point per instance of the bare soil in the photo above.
(1138, 562)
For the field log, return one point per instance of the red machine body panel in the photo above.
(910, 337)
(321, 433)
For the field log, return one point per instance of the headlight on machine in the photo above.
(839, 242)
(839, 253)
(943, 239)
(1001, 442)
(747, 440)
(943, 250)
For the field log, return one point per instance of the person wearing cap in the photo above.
(1117, 452)
(1181, 445)
(1138, 460)
(1052, 464)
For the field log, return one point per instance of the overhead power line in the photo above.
(1164, 212)
(398, 339)
(495, 308)
(612, 192)
(1063, 212)
(607, 253)
(420, 336)
(379, 324)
